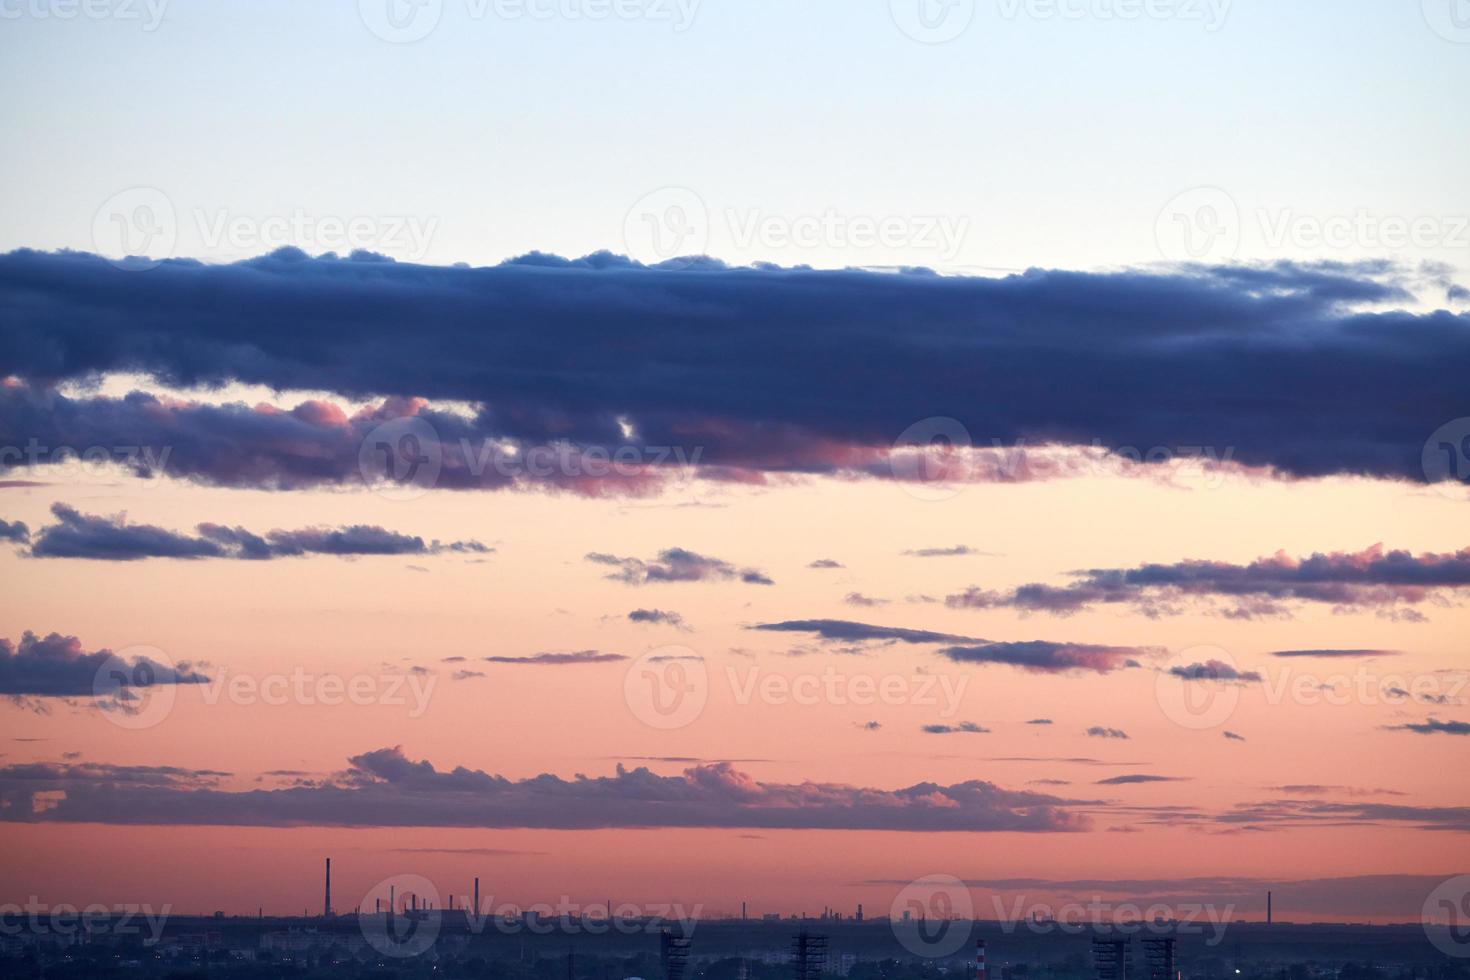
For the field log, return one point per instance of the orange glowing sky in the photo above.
(380, 616)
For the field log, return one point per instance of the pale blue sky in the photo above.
(1040, 139)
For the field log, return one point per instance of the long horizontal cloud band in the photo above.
(1373, 577)
(384, 788)
(762, 369)
(78, 535)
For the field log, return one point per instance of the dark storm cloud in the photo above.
(1372, 578)
(676, 565)
(58, 666)
(384, 788)
(764, 370)
(77, 535)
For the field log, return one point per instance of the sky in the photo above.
(719, 453)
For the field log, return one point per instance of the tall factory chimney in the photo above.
(477, 894)
(327, 901)
(1268, 908)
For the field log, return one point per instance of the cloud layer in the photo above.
(56, 666)
(1374, 578)
(762, 370)
(77, 535)
(384, 788)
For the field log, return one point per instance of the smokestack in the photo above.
(477, 894)
(327, 902)
(1268, 908)
(392, 899)
(980, 970)
(742, 911)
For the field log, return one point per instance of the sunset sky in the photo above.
(834, 454)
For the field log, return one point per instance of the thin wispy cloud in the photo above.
(78, 535)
